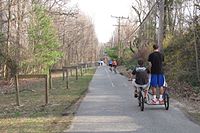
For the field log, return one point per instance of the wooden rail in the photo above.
(63, 70)
(81, 66)
(54, 71)
(17, 77)
(70, 68)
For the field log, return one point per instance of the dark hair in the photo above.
(140, 62)
(155, 46)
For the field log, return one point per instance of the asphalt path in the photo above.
(109, 107)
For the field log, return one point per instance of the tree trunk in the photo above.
(195, 25)
(161, 25)
(6, 69)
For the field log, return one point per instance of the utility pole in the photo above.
(119, 34)
(161, 24)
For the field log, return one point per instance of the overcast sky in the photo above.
(101, 10)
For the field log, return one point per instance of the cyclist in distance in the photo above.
(114, 64)
(110, 64)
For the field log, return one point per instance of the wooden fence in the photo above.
(65, 72)
(50, 75)
(17, 77)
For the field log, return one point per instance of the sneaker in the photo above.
(135, 94)
(161, 101)
(145, 100)
(154, 101)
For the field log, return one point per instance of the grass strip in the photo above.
(33, 116)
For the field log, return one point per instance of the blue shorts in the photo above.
(157, 80)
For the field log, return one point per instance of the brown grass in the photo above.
(32, 115)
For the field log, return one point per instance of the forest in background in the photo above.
(40, 34)
(36, 35)
(177, 34)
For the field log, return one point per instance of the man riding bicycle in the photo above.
(114, 64)
(110, 64)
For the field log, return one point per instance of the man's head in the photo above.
(140, 62)
(155, 47)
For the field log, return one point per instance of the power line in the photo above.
(119, 32)
(149, 13)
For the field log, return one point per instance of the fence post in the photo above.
(67, 79)
(76, 72)
(81, 70)
(63, 74)
(46, 90)
(71, 71)
(50, 79)
(88, 65)
(17, 90)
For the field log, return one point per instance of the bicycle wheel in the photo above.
(166, 101)
(141, 101)
(115, 70)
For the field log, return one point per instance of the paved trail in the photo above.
(109, 107)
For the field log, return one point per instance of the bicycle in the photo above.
(110, 68)
(114, 70)
(149, 96)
